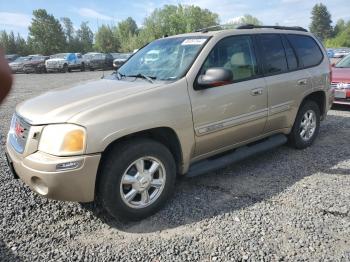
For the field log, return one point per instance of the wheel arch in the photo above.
(164, 135)
(319, 97)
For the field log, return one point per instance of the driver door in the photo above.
(235, 112)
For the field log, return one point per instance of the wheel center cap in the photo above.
(143, 183)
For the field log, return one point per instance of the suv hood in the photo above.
(60, 105)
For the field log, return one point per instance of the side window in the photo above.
(273, 54)
(307, 49)
(292, 59)
(235, 53)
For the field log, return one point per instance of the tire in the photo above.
(65, 68)
(82, 68)
(306, 126)
(120, 163)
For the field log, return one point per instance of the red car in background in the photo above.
(341, 81)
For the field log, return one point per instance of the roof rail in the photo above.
(251, 26)
(206, 29)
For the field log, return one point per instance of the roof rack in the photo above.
(251, 26)
(209, 28)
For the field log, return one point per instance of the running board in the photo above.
(214, 163)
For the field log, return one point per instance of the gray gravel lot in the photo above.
(284, 205)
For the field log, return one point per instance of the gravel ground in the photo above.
(284, 205)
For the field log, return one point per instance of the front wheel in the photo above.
(136, 179)
(306, 125)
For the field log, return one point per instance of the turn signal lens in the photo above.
(73, 141)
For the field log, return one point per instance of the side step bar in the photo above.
(211, 164)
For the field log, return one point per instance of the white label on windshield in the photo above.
(194, 41)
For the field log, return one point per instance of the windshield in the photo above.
(164, 59)
(37, 58)
(22, 59)
(345, 62)
(63, 55)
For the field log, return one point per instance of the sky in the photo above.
(16, 15)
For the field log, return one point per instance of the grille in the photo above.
(337, 85)
(18, 133)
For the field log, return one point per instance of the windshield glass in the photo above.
(37, 58)
(164, 59)
(345, 62)
(22, 59)
(63, 55)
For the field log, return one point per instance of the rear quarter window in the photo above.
(307, 49)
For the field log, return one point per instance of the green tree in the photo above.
(341, 40)
(126, 32)
(4, 38)
(85, 38)
(69, 32)
(321, 22)
(171, 20)
(246, 19)
(106, 39)
(46, 33)
(21, 46)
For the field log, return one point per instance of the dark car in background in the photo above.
(120, 59)
(17, 65)
(94, 61)
(12, 57)
(35, 65)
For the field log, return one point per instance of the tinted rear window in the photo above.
(307, 49)
(273, 53)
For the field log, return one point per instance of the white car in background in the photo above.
(65, 62)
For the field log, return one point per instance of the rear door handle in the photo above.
(302, 82)
(256, 91)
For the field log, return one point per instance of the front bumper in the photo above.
(38, 171)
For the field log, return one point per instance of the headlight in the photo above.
(63, 140)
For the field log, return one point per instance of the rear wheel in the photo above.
(136, 179)
(306, 125)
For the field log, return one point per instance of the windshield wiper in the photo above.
(139, 75)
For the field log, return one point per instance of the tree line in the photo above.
(49, 35)
(321, 26)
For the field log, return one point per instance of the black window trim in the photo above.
(257, 58)
(299, 62)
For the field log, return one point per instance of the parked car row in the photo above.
(338, 52)
(66, 62)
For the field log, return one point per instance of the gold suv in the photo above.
(172, 106)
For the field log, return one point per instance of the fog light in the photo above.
(39, 186)
(68, 165)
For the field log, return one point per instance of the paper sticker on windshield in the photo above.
(194, 41)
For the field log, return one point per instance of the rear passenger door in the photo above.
(285, 82)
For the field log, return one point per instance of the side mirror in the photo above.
(213, 77)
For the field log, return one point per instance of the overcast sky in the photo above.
(16, 15)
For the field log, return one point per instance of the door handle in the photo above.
(256, 91)
(302, 82)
